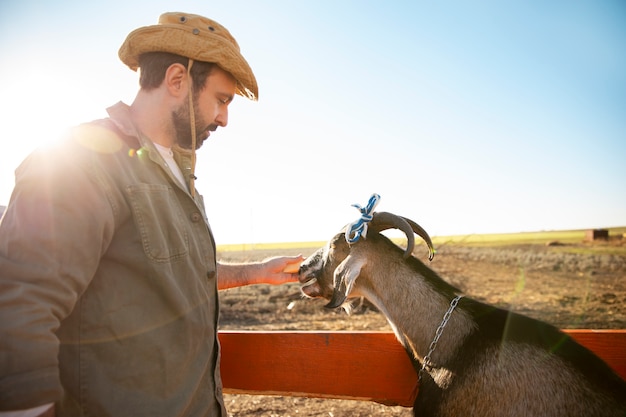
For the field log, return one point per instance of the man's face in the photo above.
(210, 109)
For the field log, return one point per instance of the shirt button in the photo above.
(211, 274)
(195, 217)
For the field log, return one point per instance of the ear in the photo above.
(176, 80)
(343, 279)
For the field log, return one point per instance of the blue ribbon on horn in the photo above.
(358, 228)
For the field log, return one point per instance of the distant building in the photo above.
(596, 234)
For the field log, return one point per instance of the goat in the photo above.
(472, 359)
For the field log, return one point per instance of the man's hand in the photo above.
(282, 269)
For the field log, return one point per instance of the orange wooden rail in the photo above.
(369, 366)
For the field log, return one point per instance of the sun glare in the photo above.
(34, 121)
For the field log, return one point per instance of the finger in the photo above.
(293, 267)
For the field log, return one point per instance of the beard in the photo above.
(182, 126)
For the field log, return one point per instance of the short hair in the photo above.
(153, 65)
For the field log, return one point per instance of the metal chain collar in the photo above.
(433, 345)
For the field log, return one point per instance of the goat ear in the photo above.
(343, 279)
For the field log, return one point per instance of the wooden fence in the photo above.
(369, 366)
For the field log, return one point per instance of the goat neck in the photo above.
(414, 300)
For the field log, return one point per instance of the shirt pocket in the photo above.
(160, 221)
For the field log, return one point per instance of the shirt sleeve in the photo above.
(52, 236)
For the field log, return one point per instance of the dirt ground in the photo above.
(550, 283)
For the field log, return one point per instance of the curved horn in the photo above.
(422, 233)
(383, 221)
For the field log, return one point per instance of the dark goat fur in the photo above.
(488, 362)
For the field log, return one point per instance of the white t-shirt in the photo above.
(168, 156)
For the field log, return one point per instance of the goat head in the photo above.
(331, 272)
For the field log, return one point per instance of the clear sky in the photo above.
(466, 116)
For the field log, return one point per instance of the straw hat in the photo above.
(194, 37)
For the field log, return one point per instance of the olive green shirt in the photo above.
(108, 289)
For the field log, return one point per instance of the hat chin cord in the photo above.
(192, 121)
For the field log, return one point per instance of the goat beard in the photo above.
(182, 126)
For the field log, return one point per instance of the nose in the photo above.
(222, 117)
(304, 266)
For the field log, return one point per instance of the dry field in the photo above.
(573, 286)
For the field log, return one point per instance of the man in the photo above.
(108, 276)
